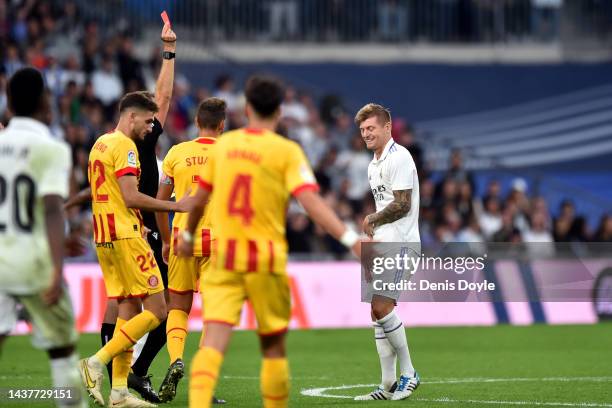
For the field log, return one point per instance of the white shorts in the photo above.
(52, 326)
(390, 250)
(8, 313)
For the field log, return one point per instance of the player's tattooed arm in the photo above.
(398, 208)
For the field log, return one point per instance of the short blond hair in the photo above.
(373, 109)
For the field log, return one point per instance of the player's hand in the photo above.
(165, 252)
(185, 204)
(368, 228)
(53, 293)
(145, 232)
(168, 37)
(184, 248)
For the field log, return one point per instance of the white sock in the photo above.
(65, 374)
(119, 393)
(395, 333)
(387, 357)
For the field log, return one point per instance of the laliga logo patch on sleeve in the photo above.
(131, 158)
(306, 174)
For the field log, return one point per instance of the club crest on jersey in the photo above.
(153, 281)
(131, 158)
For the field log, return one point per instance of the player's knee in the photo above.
(380, 310)
(160, 311)
(273, 346)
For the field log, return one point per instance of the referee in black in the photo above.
(138, 379)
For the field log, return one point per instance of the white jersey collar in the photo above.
(385, 152)
(25, 123)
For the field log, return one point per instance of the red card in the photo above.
(165, 17)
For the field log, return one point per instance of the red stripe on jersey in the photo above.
(140, 221)
(205, 140)
(102, 233)
(205, 242)
(206, 186)
(175, 232)
(253, 131)
(305, 187)
(230, 257)
(111, 226)
(252, 257)
(95, 227)
(271, 250)
(127, 170)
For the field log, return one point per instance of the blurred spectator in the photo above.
(508, 231)
(283, 19)
(293, 108)
(545, 19)
(224, 89)
(342, 132)
(471, 232)
(106, 84)
(604, 231)
(392, 20)
(12, 61)
(490, 219)
(456, 171)
(563, 224)
(538, 237)
(354, 165)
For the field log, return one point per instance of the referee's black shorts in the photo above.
(155, 242)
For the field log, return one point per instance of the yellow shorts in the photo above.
(185, 272)
(129, 268)
(224, 292)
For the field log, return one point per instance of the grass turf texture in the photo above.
(562, 362)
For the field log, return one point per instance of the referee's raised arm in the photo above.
(165, 81)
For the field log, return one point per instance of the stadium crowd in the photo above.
(87, 70)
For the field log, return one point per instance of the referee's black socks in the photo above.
(106, 333)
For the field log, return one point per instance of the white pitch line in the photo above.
(321, 392)
(529, 403)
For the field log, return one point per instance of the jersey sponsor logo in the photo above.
(153, 281)
(377, 192)
(131, 159)
(105, 245)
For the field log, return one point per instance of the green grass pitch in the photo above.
(548, 366)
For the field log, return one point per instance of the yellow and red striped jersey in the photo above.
(113, 155)
(252, 174)
(183, 163)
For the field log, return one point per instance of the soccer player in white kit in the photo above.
(34, 171)
(395, 186)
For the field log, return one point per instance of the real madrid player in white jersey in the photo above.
(395, 186)
(34, 171)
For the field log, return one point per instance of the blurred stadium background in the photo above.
(504, 104)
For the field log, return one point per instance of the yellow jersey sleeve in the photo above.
(125, 158)
(298, 174)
